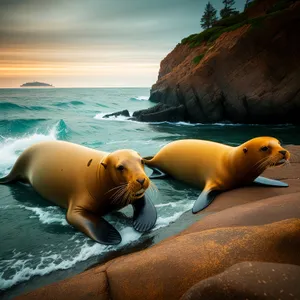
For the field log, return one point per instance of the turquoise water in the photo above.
(35, 237)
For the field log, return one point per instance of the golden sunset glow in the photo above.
(92, 43)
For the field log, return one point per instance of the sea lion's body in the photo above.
(59, 172)
(81, 180)
(193, 161)
(216, 167)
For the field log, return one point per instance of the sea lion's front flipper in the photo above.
(144, 216)
(204, 200)
(93, 226)
(270, 182)
(157, 174)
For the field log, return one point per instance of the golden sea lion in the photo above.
(89, 184)
(217, 167)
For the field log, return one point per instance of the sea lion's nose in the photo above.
(141, 181)
(283, 152)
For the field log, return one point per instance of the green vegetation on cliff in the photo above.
(232, 23)
(198, 58)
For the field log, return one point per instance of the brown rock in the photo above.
(258, 213)
(169, 270)
(89, 285)
(250, 280)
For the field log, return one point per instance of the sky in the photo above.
(93, 43)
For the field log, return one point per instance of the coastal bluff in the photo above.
(245, 69)
(245, 246)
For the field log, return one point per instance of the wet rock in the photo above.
(160, 113)
(124, 113)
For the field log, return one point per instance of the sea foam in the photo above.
(100, 116)
(48, 215)
(140, 98)
(11, 148)
(24, 266)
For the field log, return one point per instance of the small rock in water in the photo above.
(118, 113)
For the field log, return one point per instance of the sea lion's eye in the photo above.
(120, 168)
(265, 148)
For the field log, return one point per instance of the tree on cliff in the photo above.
(209, 17)
(228, 9)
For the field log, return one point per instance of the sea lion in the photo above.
(89, 184)
(217, 167)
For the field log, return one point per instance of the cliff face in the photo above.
(247, 72)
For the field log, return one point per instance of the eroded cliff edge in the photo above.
(246, 69)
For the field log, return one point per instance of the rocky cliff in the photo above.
(246, 69)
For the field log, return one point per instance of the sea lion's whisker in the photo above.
(153, 185)
(153, 189)
(117, 187)
(119, 190)
(125, 198)
(258, 163)
(294, 155)
(119, 195)
(116, 192)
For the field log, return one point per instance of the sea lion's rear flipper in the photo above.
(10, 178)
(5, 180)
(144, 216)
(157, 174)
(270, 182)
(93, 226)
(204, 200)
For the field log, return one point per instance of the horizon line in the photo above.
(75, 87)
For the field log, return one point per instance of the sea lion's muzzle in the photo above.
(285, 158)
(141, 181)
(281, 162)
(139, 193)
(283, 152)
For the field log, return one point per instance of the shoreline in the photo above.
(148, 241)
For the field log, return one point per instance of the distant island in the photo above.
(36, 84)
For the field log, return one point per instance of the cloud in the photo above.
(95, 32)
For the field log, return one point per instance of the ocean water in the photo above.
(35, 238)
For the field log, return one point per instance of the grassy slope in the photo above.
(230, 24)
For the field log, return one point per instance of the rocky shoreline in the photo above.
(246, 69)
(248, 246)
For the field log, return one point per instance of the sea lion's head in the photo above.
(126, 169)
(264, 152)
